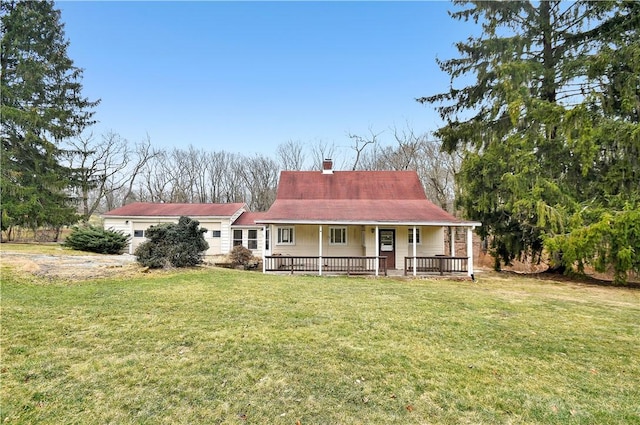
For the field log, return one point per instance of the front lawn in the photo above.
(229, 347)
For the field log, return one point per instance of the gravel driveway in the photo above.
(71, 267)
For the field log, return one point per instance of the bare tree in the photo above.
(406, 155)
(321, 150)
(104, 168)
(177, 176)
(233, 189)
(437, 171)
(93, 162)
(182, 174)
(291, 155)
(142, 154)
(260, 176)
(198, 161)
(359, 143)
(408, 151)
(187, 171)
(157, 179)
(216, 172)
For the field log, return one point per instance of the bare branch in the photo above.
(360, 143)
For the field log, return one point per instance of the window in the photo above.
(138, 233)
(266, 239)
(338, 235)
(285, 235)
(215, 233)
(252, 239)
(237, 237)
(417, 235)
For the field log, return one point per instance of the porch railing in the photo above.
(347, 265)
(439, 264)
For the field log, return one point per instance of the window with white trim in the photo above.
(252, 239)
(237, 237)
(215, 233)
(417, 235)
(286, 236)
(337, 235)
(138, 233)
(267, 238)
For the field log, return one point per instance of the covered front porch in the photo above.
(327, 265)
(369, 248)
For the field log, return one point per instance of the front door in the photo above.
(388, 247)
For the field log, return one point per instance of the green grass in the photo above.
(53, 248)
(230, 347)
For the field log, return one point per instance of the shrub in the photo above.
(240, 255)
(170, 244)
(96, 239)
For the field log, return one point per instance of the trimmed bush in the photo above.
(240, 255)
(96, 239)
(173, 245)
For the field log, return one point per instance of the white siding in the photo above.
(431, 241)
(307, 238)
(225, 236)
(370, 241)
(217, 246)
(118, 225)
(214, 243)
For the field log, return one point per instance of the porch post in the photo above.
(320, 250)
(377, 252)
(414, 251)
(470, 250)
(264, 249)
(452, 241)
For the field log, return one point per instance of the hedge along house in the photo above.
(359, 222)
(134, 219)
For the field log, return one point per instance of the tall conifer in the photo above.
(548, 126)
(41, 106)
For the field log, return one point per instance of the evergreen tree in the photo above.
(547, 130)
(41, 106)
(605, 130)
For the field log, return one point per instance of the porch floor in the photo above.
(395, 273)
(409, 275)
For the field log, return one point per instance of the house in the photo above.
(353, 222)
(359, 221)
(134, 219)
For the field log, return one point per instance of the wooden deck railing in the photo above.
(347, 265)
(439, 264)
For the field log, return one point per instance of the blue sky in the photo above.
(246, 76)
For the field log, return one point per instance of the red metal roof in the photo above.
(148, 209)
(354, 196)
(350, 185)
(312, 196)
(248, 219)
(343, 211)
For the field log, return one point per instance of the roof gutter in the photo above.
(375, 223)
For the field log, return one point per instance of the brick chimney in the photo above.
(327, 166)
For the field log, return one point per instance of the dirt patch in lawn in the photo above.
(71, 267)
